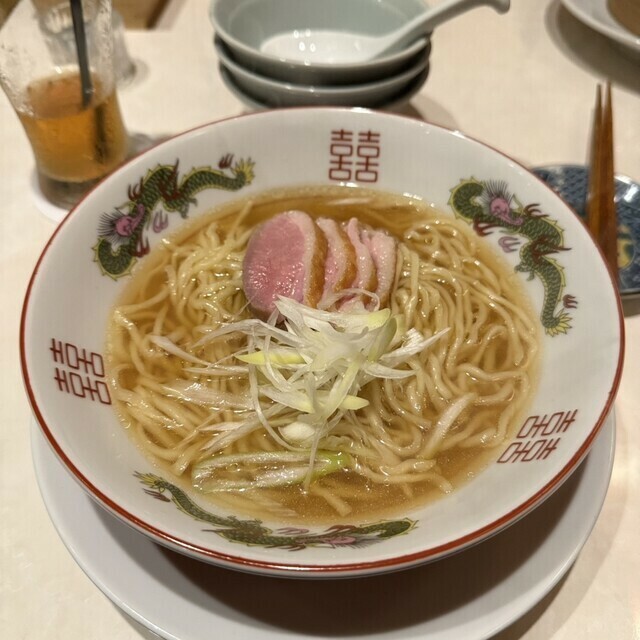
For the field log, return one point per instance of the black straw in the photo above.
(81, 48)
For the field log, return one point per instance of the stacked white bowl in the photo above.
(261, 70)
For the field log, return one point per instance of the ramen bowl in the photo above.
(245, 26)
(106, 241)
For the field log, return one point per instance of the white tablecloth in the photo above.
(524, 83)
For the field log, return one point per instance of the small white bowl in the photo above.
(277, 93)
(84, 269)
(394, 104)
(244, 25)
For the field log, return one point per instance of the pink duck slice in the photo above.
(285, 257)
(340, 266)
(366, 277)
(382, 248)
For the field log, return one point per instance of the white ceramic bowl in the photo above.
(276, 93)
(71, 294)
(244, 25)
(394, 104)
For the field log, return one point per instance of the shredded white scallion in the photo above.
(310, 370)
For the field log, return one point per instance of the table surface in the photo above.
(524, 83)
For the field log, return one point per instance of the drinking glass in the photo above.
(75, 129)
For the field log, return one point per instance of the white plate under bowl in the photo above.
(470, 596)
(288, 94)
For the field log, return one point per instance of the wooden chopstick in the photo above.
(601, 207)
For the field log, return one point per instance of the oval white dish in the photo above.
(472, 595)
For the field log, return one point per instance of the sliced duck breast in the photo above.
(366, 277)
(382, 248)
(340, 267)
(285, 257)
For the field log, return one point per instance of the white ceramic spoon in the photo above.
(322, 46)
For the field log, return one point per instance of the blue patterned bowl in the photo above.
(570, 182)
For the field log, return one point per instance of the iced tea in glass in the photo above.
(76, 140)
